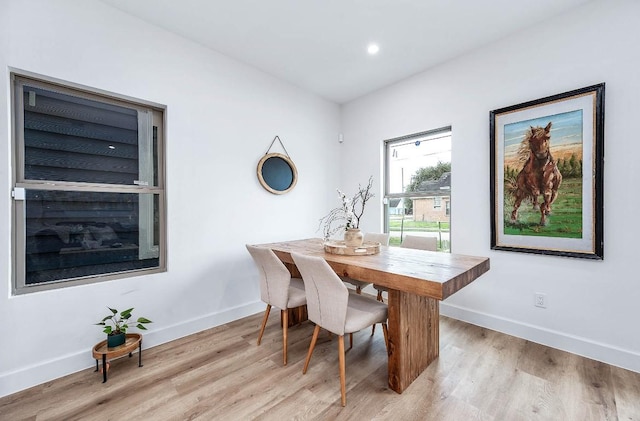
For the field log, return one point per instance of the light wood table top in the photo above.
(426, 273)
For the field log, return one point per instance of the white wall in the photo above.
(222, 116)
(593, 306)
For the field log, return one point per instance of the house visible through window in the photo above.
(89, 185)
(417, 183)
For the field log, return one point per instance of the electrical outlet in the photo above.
(540, 300)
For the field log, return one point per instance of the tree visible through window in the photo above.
(418, 186)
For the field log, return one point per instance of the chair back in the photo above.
(382, 238)
(420, 243)
(274, 276)
(327, 296)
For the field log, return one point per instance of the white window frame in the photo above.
(416, 137)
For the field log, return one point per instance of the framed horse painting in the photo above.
(547, 161)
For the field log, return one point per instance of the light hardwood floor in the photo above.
(220, 374)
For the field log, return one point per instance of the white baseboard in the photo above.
(574, 344)
(26, 377)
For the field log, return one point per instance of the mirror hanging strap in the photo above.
(281, 144)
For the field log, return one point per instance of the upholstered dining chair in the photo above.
(412, 242)
(383, 239)
(277, 288)
(420, 243)
(331, 306)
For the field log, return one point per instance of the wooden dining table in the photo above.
(416, 280)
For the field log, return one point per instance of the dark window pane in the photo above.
(73, 234)
(67, 138)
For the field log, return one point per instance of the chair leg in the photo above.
(264, 322)
(358, 290)
(314, 338)
(350, 340)
(386, 336)
(343, 388)
(285, 324)
(379, 298)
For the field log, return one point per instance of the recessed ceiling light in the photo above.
(373, 49)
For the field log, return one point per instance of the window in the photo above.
(89, 202)
(417, 182)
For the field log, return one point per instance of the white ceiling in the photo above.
(320, 45)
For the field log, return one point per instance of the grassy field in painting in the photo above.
(564, 221)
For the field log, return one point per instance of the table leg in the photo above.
(97, 368)
(414, 328)
(140, 354)
(104, 368)
(299, 314)
(296, 316)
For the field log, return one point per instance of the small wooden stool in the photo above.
(101, 351)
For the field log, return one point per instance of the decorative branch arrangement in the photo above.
(349, 213)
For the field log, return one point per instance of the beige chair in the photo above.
(412, 242)
(381, 238)
(420, 243)
(277, 288)
(332, 307)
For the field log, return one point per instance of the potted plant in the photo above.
(116, 325)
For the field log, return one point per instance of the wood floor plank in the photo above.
(308, 406)
(627, 391)
(454, 409)
(529, 397)
(222, 374)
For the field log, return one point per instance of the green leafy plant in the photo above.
(117, 323)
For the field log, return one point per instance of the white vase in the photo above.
(353, 237)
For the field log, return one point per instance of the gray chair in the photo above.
(412, 242)
(332, 307)
(383, 239)
(277, 288)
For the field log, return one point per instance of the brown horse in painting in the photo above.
(539, 175)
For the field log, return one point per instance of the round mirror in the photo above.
(277, 173)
